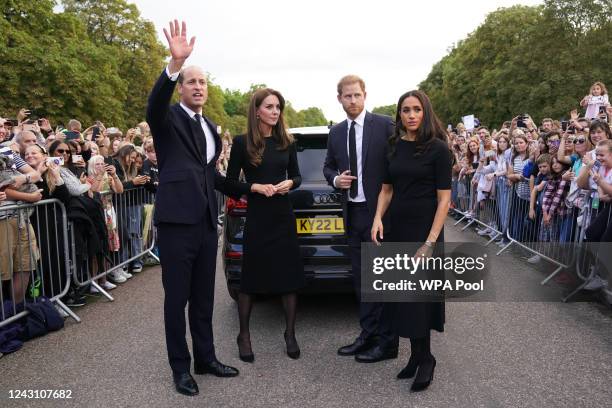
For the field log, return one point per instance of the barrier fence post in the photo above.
(34, 257)
(131, 220)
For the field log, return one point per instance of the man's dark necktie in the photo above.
(200, 136)
(353, 159)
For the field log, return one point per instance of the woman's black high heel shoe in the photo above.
(425, 375)
(248, 357)
(410, 370)
(293, 350)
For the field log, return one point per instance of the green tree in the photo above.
(388, 110)
(312, 116)
(237, 124)
(537, 60)
(48, 64)
(214, 107)
(292, 117)
(130, 42)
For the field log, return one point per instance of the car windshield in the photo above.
(311, 156)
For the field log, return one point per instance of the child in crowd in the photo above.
(544, 163)
(597, 97)
(553, 203)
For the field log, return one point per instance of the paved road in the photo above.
(491, 355)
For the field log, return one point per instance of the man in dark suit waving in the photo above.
(187, 146)
(355, 163)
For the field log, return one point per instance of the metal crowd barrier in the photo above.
(488, 210)
(589, 250)
(502, 213)
(131, 239)
(34, 257)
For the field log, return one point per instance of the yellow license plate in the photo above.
(322, 225)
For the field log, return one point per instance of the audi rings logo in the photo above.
(327, 198)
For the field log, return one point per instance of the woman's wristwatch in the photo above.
(429, 243)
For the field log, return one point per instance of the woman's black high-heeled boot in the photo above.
(427, 365)
(413, 363)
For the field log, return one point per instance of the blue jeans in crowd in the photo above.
(132, 237)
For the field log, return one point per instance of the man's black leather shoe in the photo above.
(216, 368)
(357, 346)
(185, 384)
(376, 354)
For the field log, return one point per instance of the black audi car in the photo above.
(319, 223)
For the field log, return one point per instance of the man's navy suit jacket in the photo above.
(376, 131)
(186, 190)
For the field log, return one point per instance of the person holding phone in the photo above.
(104, 180)
(45, 222)
(484, 188)
(354, 164)
(129, 206)
(78, 158)
(597, 97)
(520, 199)
(76, 185)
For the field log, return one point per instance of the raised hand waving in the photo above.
(180, 49)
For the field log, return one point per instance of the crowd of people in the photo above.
(537, 182)
(97, 173)
(100, 175)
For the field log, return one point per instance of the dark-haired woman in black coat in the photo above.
(271, 263)
(417, 193)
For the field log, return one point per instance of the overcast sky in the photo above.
(302, 48)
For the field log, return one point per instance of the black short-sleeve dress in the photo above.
(415, 180)
(271, 262)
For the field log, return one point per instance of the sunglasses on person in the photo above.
(62, 151)
(579, 141)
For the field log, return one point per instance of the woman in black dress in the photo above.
(417, 192)
(271, 262)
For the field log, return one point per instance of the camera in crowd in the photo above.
(59, 161)
(522, 121)
(602, 115)
(70, 135)
(596, 166)
(567, 128)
